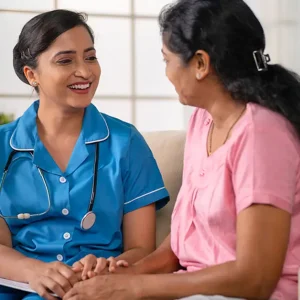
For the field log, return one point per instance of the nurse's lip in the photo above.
(80, 87)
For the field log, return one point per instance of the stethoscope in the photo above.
(88, 219)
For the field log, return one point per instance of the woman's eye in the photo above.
(91, 58)
(64, 61)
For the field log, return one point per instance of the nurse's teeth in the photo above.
(80, 86)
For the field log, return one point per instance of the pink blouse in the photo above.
(260, 163)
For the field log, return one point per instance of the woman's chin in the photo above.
(183, 100)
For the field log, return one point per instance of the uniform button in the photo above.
(67, 235)
(62, 179)
(65, 211)
(59, 257)
(207, 122)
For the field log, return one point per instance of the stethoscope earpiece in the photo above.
(24, 216)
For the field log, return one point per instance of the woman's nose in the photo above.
(83, 70)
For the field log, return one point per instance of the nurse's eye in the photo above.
(64, 61)
(91, 58)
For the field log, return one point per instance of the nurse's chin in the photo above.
(79, 103)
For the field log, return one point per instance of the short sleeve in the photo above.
(265, 167)
(143, 183)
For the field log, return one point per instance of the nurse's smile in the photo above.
(80, 87)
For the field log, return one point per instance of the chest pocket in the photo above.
(23, 190)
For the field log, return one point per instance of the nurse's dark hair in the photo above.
(39, 33)
(229, 32)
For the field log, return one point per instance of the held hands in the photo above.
(91, 266)
(52, 278)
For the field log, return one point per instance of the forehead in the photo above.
(77, 38)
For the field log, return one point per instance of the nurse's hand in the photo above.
(54, 277)
(106, 287)
(91, 266)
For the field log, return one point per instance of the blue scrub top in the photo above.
(128, 179)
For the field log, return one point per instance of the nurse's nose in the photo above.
(83, 70)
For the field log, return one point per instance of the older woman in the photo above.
(236, 223)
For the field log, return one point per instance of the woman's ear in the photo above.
(202, 60)
(31, 76)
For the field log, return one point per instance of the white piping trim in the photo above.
(11, 145)
(87, 143)
(143, 195)
(108, 133)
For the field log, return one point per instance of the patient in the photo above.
(235, 229)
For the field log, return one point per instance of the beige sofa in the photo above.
(167, 148)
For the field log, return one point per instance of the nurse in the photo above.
(75, 182)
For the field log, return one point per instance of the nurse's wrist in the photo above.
(31, 267)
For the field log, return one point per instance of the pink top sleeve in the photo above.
(265, 166)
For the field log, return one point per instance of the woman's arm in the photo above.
(162, 260)
(262, 239)
(9, 257)
(42, 277)
(138, 234)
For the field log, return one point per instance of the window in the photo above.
(133, 86)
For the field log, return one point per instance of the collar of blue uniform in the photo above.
(24, 137)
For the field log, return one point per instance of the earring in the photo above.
(34, 83)
(198, 76)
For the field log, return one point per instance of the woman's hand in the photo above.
(52, 278)
(91, 266)
(106, 287)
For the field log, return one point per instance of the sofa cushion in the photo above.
(167, 148)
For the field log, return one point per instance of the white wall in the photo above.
(133, 86)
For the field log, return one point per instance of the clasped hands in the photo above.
(58, 278)
(91, 266)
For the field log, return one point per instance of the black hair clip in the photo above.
(25, 55)
(261, 60)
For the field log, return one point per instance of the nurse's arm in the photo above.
(138, 234)
(262, 239)
(162, 260)
(13, 265)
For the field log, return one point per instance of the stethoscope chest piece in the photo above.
(88, 220)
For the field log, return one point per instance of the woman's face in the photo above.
(68, 72)
(188, 80)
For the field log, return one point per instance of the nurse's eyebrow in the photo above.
(73, 51)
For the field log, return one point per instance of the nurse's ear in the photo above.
(31, 76)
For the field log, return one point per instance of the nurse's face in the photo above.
(188, 80)
(68, 72)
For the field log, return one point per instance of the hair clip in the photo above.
(261, 60)
(25, 55)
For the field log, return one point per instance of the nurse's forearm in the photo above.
(16, 266)
(133, 255)
(162, 260)
(224, 279)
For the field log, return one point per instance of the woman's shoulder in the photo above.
(6, 131)
(262, 119)
(118, 126)
(7, 128)
(262, 125)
